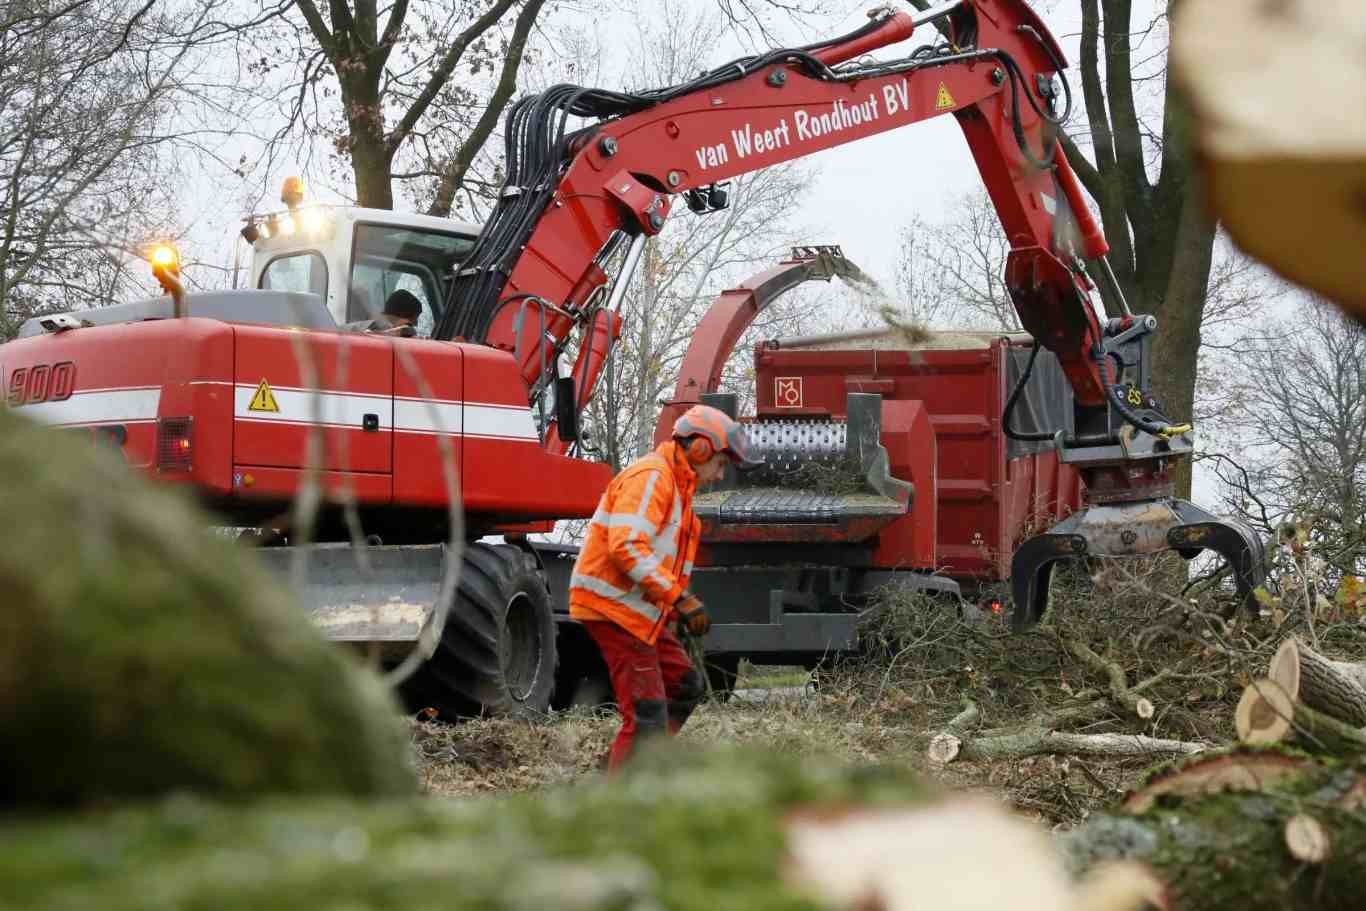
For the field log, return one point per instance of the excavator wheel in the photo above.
(497, 652)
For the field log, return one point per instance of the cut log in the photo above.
(1268, 85)
(1266, 714)
(1337, 688)
(944, 748)
(1219, 840)
(947, 747)
(1219, 772)
(1307, 839)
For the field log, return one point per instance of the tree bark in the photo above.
(948, 747)
(1218, 839)
(1337, 688)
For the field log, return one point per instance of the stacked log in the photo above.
(1306, 698)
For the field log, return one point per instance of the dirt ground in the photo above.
(483, 756)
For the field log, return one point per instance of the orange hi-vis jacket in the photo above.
(640, 546)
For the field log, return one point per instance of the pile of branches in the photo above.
(1132, 665)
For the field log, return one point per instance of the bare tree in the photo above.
(1303, 455)
(954, 268)
(393, 67)
(86, 95)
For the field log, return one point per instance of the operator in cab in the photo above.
(630, 583)
(401, 311)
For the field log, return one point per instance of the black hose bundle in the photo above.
(538, 151)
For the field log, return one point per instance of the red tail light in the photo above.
(174, 444)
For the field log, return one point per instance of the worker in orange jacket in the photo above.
(631, 578)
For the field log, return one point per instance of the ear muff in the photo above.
(700, 450)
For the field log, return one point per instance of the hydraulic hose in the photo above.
(1164, 429)
(1032, 436)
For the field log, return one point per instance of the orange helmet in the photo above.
(711, 431)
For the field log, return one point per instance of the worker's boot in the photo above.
(690, 690)
(652, 722)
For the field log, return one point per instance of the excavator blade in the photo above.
(383, 605)
(1128, 530)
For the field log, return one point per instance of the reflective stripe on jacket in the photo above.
(640, 545)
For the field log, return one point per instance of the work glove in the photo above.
(692, 615)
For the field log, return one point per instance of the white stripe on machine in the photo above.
(405, 415)
(101, 406)
(303, 406)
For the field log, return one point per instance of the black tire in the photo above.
(593, 692)
(497, 653)
(721, 673)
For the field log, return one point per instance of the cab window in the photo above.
(388, 259)
(300, 272)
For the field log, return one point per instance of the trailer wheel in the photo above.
(497, 653)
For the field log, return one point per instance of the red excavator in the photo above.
(223, 393)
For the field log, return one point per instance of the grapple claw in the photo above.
(1133, 529)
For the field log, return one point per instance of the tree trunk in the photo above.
(1176, 349)
(371, 156)
(1229, 832)
(370, 164)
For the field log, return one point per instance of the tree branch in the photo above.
(1119, 88)
(453, 176)
(443, 72)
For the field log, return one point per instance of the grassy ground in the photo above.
(764, 677)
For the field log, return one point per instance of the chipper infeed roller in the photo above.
(823, 479)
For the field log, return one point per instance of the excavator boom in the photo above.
(575, 201)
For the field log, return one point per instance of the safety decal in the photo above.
(787, 392)
(263, 400)
(943, 100)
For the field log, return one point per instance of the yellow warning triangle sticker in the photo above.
(943, 99)
(264, 399)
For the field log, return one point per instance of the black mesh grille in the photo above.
(173, 444)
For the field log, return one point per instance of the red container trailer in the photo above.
(786, 568)
(989, 491)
